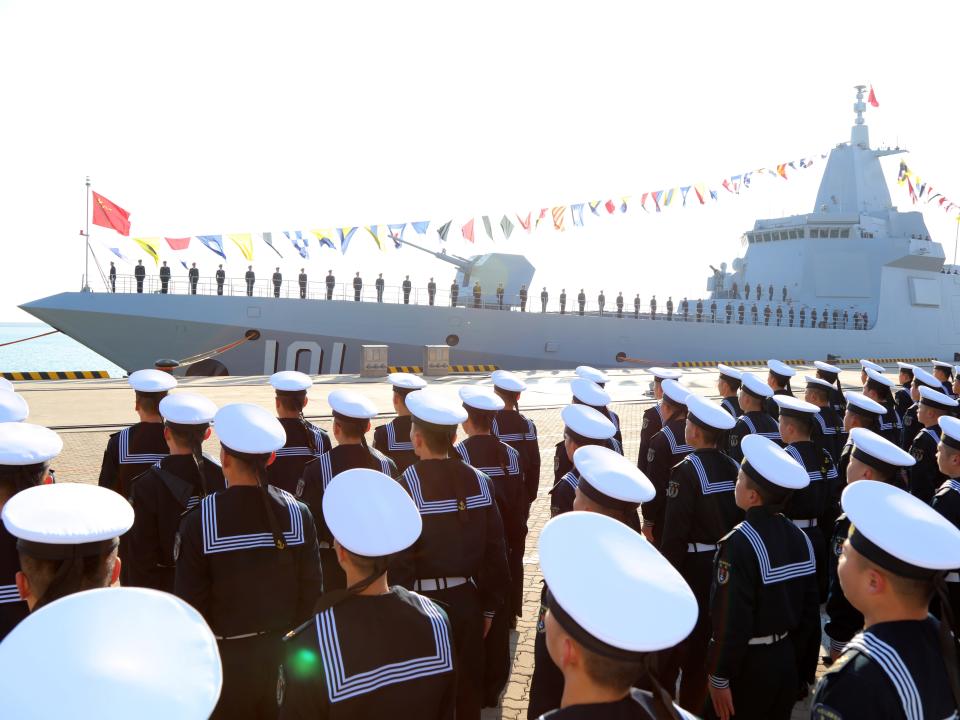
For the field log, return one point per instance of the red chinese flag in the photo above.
(872, 98)
(107, 214)
(178, 243)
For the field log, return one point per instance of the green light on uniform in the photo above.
(304, 663)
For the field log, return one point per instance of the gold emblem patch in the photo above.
(673, 488)
(723, 572)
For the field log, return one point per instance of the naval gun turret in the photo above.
(489, 270)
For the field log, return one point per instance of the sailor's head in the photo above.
(164, 263)
(278, 269)
(220, 266)
(194, 264)
(249, 267)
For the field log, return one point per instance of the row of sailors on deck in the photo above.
(290, 578)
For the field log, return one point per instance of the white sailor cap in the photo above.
(54, 521)
(5, 384)
(246, 428)
(607, 477)
(188, 409)
(951, 431)
(592, 374)
(755, 386)
(675, 391)
(943, 365)
(879, 378)
(587, 422)
(434, 408)
(778, 367)
(610, 589)
(25, 444)
(936, 399)
(508, 381)
(481, 398)
(707, 413)
(106, 662)
(922, 377)
(589, 393)
(152, 381)
(826, 367)
(908, 367)
(795, 407)
(291, 381)
(819, 382)
(13, 408)
(352, 405)
(864, 363)
(766, 462)
(878, 452)
(730, 372)
(899, 532)
(662, 373)
(370, 514)
(860, 403)
(406, 381)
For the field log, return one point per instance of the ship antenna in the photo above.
(859, 106)
(86, 236)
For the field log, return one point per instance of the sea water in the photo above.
(53, 352)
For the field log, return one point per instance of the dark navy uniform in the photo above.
(947, 502)
(891, 424)
(732, 405)
(316, 476)
(700, 509)
(12, 608)
(373, 656)
(501, 463)
(285, 472)
(828, 431)
(562, 495)
(393, 440)
(892, 671)
(843, 619)
(520, 433)
(651, 424)
(837, 401)
(562, 464)
(160, 497)
(459, 560)
(910, 427)
(667, 448)
(925, 476)
(249, 592)
(770, 405)
(638, 705)
(129, 453)
(753, 422)
(902, 399)
(765, 609)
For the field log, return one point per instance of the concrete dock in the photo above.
(85, 412)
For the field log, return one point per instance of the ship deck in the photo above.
(85, 412)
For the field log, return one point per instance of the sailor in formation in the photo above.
(460, 557)
(778, 378)
(700, 509)
(764, 603)
(25, 454)
(608, 485)
(872, 458)
(667, 448)
(247, 560)
(501, 463)
(652, 419)
(516, 429)
(303, 441)
(613, 603)
(905, 381)
(828, 432)
(946, 500)
(943, 371)
(753, 394)
(352, 413)
(586, 392)
(925, 476)
(372, 649)
(904, 662)
(910, 424)
(868, 365)
(831, 374)
(582, 426)
(393, 438)
(134, 449)
(165, 491)
(591, 374)
(728, 385)
(67, 539)
(880, 388)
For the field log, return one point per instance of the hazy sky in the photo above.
(209, 118)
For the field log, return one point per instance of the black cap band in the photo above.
(877, 555)
(931, 403)
(862, 411)
(50, 551)
(746, 389)
(603, 499)
(949, 442)
(583, 637)
(867, 459)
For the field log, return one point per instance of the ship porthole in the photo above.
(453, 340)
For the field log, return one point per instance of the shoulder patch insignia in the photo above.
(673, 488)
(556, 463)
(917, 453)
(650, 455)
(822, 712)
(281, 686)
(646, 423)
(723, 572)
(734, 440)
(300, 485)
(176, 547)
(838, 546)
(541, 625)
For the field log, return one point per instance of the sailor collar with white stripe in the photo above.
(888, 659)
(214, 542)
(899, 532)
(26, 444)
(513, 458)
(13, 408)
(482, 498)
(608, 478)
(937, 400)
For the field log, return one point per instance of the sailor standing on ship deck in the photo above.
(113, 277)
(194, 277)
(460, 558)
(357, 287)
(352, 413)
(331, 282)
(581, 300)
(431, 291)
(164, 278)
(251, 279)
(393, 439)
(563, 301)
(302, 280)
(454, 293)
(379, 285)
(221, 276)
(543, 300)
(406, 286)
(277, 282)
(304, 441)
(140, 273)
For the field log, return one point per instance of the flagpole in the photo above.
(956, 237)
(86, 270)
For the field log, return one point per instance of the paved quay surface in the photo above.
(85, 412)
